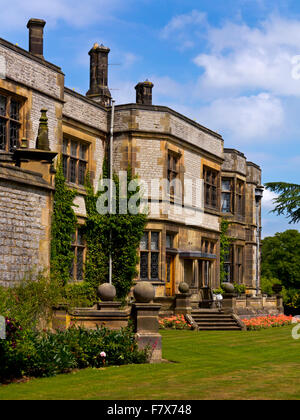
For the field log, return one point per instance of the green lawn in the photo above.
(201, 365)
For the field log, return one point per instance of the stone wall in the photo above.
(24, 224)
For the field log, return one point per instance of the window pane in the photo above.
(154, 241)
(80, 238)
(144, 241)
(154, 265)
(2, 105)
(72, 175)
(169, 241)
(82, 151)
(79, 264)
(14, 110)
(74, 149)
(65, 147)
(226, 185)
(226, 202)
(82, 171)
(65, 166)
(13, 136)
(2, 134)
(144, 265)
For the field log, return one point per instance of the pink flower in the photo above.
(103, 354)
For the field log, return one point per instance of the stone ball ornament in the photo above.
(228, 287)
(106, 292)
(144, 292)
(183, 287)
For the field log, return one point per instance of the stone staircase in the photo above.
(215, 320)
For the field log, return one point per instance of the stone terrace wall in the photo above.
(24, 227)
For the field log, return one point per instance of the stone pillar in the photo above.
(145, 317)
(183, 300)
(229, 303)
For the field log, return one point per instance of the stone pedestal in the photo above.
(145, 317)
(229, 303)
(109, 306)
(279, 302)
(183, 304)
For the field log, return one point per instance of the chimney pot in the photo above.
(144, 93)
(36, 37)
(99, 91)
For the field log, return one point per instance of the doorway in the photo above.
(170, 275)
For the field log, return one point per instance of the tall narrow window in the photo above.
(173, 171)
(228, 265)
(240, 197)
(226, 198)
(10, 123)
(78, 248)
(75, 159)
(150, 256)
(239, 263)
(211, 181)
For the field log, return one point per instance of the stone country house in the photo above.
(158, 142)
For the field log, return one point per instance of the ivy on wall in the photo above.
(225, 242)
(63, 228)
(118, 234)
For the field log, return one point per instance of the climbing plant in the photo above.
(118, 234)
(63, 228)
(225, 242)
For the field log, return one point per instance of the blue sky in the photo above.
(230, 65)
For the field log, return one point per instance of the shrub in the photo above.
(41, 354)
(30, 302)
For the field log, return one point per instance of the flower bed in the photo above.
(175, 322)
(270, 321)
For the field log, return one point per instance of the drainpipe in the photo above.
(258, 197)
(111, 141)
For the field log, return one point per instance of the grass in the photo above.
(202, 365)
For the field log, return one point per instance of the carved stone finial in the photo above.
(42, 141)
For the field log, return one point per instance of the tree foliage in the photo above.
(280, 256)
(288, 201)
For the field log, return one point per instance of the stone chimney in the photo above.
(99, 91)
(144, 93)
(36, 37)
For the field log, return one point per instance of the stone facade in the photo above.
(158, 143)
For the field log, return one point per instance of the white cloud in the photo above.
(184, 29)
(242, 57)
(268, 200)
(245, 117)
(74, 12)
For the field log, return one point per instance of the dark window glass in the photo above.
(3, 105)
(2, 134)
(211, 178)
(75, 161)
(9, 123)
(149, 256)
